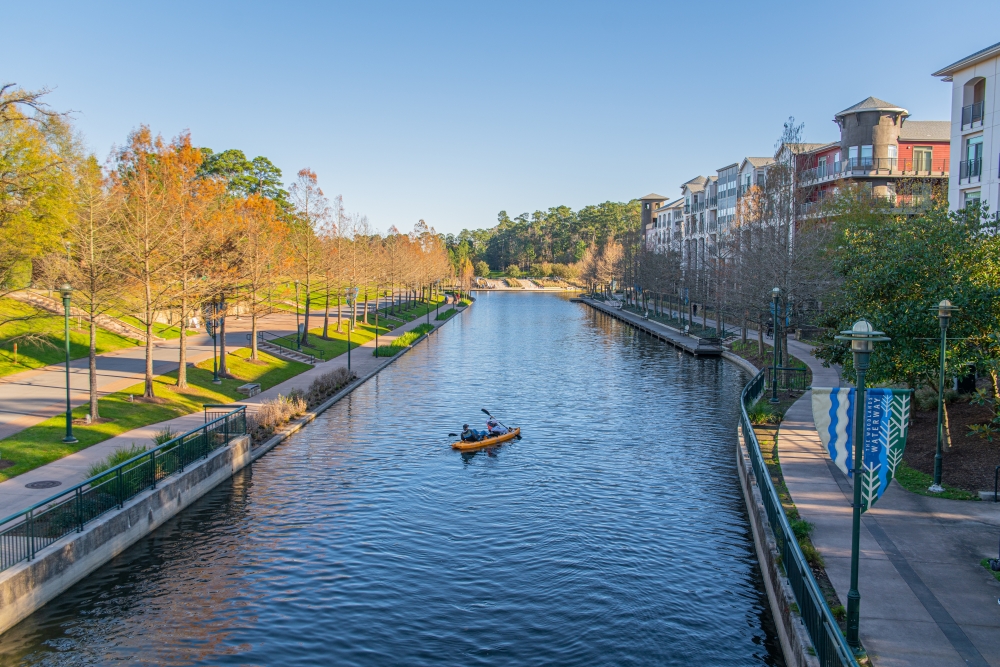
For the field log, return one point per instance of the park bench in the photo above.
(249, 389)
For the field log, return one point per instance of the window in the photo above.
(852, 156)
(893, 154)
(821, 167)
(972, 198)
(972, 166)
(922, 158)
(866, 156)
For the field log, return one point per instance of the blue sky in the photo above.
(451, 112)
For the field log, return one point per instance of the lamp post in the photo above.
(298, 327)
(862, 336)
(775, 295)
(211, 313)
(944, 311)
(351, 293)
(67, 292)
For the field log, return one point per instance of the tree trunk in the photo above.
(305, 319)
(760, 340)
(253, 334)
(365, 316)
(223, 370)
(326, 316)
(340, 316)
(182, 353)
(149, 391)
(94, 409)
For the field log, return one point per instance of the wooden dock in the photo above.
(699, 347)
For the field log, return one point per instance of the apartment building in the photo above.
(649, 203)
(693, 230)
(666, 233)
(974, 130)
(881, 149)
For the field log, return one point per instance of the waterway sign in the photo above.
(887, 417)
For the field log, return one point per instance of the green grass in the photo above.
(50, 328)
(164, 331)
(918, 482)
(445, 314)
(416, 310)
(336, 343)
(986, 563)
(403, 341)
(42, 443)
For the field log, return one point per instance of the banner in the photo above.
(887, 418)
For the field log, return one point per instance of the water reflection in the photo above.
(613, 533)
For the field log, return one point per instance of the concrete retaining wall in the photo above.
(27, 586)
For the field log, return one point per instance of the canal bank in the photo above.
(28, 585)
(601, 537)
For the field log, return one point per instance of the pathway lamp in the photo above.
(211, 313)
(67, 292)
(944, 311)
(298, 327)
(351, 293)
(775, 295)
(862, 337)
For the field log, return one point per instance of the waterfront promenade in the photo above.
(925, 599)
(72, 469)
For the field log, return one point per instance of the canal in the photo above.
(614, 533)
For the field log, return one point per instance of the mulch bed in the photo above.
(970, 463)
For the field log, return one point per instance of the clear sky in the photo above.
(451, 112)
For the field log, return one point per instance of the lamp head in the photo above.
(776, 292)
(66, 290)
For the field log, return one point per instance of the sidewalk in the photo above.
(72, 469)
(925, 599)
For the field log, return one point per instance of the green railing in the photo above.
(791, 379)
(27, 532)
(830, 645)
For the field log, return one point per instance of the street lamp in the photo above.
(862, 336)
(352, 294)
(298, 327)
(211, 313)
(67, 292)
(944, 311)
(775, 295)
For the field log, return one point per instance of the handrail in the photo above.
(828, 641)
(292, 345)
(70, 510)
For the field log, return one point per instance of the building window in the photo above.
(972, 198)
(866, 156)
(972, 165)
(893, 154)
(852, 156)
(922, 158)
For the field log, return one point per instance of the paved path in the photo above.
(72, 469)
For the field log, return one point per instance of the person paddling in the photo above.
(494, 427)
(471, 434)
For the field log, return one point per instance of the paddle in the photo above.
(500, 422)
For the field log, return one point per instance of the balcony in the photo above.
(890, 166)
(972, 114)
(687, 208)
(713, 201)
(970, 169)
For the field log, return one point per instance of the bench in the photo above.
(249, 389)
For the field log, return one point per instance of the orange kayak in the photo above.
(464, 446)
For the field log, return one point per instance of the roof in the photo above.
(735, 164)
(673, 204)
(654, 196)
(968, 61)
(807, 148)
(759, 161)
(872, 104)
(925, 130)
(697, 180)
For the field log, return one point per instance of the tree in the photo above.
(262, 235)
(145, 228)
(311, 216)
(246, 177)
(482, 269)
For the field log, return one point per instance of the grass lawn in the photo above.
(410, 314)
(50, 327)
(918, 482)
(43, 444)
(337, 342)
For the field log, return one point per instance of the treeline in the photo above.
(164, 228)
(551, 242)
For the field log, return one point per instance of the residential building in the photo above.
(728, 189)
(975, 128)
(649, 203)
(667, 229)
(889, 155)
(693, 246)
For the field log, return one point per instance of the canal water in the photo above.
(614, 533)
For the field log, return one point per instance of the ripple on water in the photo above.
(613, 533)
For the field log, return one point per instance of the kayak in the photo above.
(464, 446)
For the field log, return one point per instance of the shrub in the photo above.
(763, 413)
(465, 302)
(446, 314)
(482, 269)
(120, 455)
(514, 271)
(163, 436)
(272, 414)
(328, 384)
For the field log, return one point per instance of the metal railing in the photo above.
(828, 641)
(789, 379)
(969, 169)
(972, 114)
(288, 342)
(29, 531)
(889, 166)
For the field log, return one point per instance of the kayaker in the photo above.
(494, 427)
(471, 434)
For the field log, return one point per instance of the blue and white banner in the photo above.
(887, 418)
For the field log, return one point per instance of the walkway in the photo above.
(72, 469)
(925, 599)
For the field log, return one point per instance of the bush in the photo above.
(482, 269)
(119, 456)
(514, 271)
(445, 315)
(163, 436)
(271, 414)
(926, 398)
(763, 413)
(327, 385)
